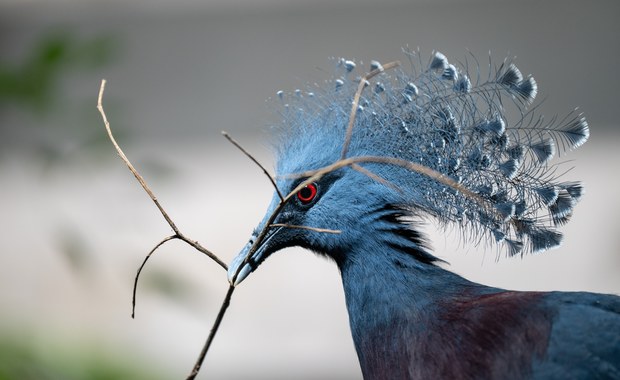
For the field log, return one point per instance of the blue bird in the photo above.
(361, 160)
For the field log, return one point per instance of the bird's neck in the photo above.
(382, 284)
(415, 320)
(392, 299)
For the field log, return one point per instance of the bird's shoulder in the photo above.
(556, 334)
(585, 337)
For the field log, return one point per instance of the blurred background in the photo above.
(76, 225)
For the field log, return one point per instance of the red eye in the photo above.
(307, 194)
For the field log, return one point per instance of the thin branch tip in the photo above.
(356, 100)
(251, 157)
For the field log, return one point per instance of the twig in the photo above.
(315, 229)
(356, 101)
(135, 281)
(375, 177)
(126, 160)
(271, 179)
(146, 188)
(315, 175)
(177, 235)
(216, 326)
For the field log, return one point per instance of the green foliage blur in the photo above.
(42, 111)
(25, 359)
(32, 83)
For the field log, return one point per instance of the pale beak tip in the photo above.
(235, 276)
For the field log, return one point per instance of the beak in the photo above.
(252, 255)
(237, 270)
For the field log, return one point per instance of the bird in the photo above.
(362, 161)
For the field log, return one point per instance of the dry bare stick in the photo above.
(315, 175)
(177, 232)
(177, 235)
(271, 179)
(356, 101)
(315, 229)
(216, 326)
(375, 177)
(135, 281)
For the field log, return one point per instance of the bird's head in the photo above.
(431, 144)
(327, 211)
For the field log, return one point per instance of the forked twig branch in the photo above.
(177, 232)
(177, 235)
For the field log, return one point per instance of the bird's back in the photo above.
(585, 337)
(454, 329)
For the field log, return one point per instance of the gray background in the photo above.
(184, 71)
